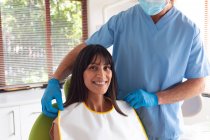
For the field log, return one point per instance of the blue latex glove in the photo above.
(141, 98)
(52, 92)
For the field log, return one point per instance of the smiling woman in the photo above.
(97, 78)
(93, 79)
(91, 101)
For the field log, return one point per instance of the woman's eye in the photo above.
(107, 68)
(92, 67)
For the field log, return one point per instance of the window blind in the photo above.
(35, 35)
(207, 37)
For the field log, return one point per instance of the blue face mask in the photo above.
(153, 7)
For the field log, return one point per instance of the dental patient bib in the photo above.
(78, 122)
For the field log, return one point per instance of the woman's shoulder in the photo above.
(121, 102)
(70, 108)
(124, 106)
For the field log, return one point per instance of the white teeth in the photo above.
(100, 83)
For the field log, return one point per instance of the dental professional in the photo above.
(155, 47)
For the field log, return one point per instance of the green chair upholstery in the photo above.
(41, 128)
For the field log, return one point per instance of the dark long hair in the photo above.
(77, 91)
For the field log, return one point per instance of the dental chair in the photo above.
(193, 129)
(41, 128)
(192, 106)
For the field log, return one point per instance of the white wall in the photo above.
(95, 14)
(99, 11)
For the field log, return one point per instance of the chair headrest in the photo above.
(192, 106)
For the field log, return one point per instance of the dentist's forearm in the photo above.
(65, 67)
(186, 90)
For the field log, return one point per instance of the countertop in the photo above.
(14, 98)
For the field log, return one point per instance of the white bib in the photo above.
(78, 122)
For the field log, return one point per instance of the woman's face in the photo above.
(97, 76)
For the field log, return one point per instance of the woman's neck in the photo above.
(99, 104)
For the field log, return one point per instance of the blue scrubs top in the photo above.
(154, 57)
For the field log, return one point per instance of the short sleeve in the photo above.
(106, 34)
(198, 65)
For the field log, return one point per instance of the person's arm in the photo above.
(65, 67)
(186, 90)
(53, 90)
(183, 91)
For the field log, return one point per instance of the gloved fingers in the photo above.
(133, 103)
(48, 114)
(45, 111)
(50, 108)
(129, 98)
(59, 102)
(136, 105)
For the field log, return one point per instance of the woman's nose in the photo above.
(100, 72)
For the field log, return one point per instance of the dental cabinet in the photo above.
(18, 111)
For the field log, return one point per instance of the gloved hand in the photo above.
(52, 92)
(141, 98)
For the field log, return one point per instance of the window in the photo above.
(34, 37)
(201, 17)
